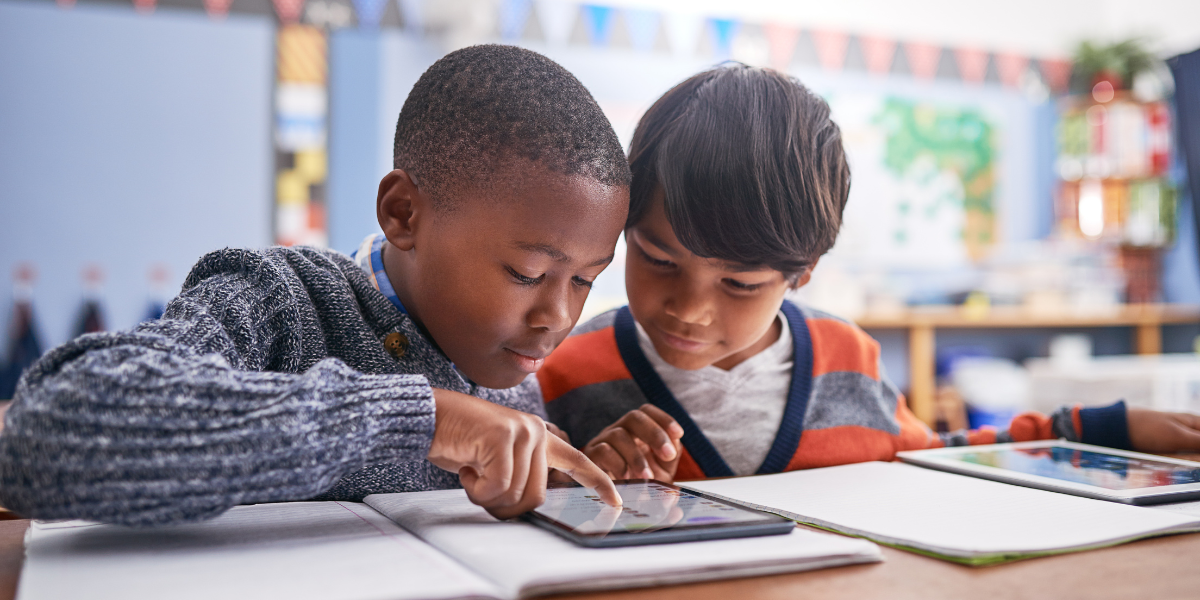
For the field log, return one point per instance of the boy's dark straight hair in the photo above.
(751, 168)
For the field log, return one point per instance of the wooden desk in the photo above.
(1161, 568)
(922, 324)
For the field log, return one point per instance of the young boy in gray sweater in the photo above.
(301, 373)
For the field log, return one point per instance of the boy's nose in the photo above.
(691, 308)
(552, 313)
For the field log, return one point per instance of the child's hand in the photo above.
(1156, 431)
(503, 456)
(643, 444)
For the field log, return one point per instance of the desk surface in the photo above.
(1161, 568)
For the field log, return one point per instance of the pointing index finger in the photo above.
(563, 457)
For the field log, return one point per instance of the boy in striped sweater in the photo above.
(739, 183)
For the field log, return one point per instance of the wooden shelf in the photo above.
(923, 322)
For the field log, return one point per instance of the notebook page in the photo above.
(946, 513)
(298, 551)
(525, 560)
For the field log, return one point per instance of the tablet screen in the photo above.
(1085, 466)
(648, 506)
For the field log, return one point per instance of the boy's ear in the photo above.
(805, 276)
(399, 206)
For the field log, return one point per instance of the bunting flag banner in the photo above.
(288, 10)
(723, 31)
(972, 64)
(1011, 67)
(144, 6)
(217, 9)
(599, 23)
(557, 18)
(683, 33)
(831, 48)
(369, 12)
(1056, 73)
(878, 53)
(330, 14)
(643, 28)
(922, 59)
(781, 44)
(513, 16)
(24, 346)
(414, 15)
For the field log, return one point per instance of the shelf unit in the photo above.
(922, 324)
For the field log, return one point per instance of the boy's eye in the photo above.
(654, 261)
(581, 282)
(523, 279)
(742, 287)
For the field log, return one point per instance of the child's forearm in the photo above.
(136, 428)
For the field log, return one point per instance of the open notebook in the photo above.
(426, 545)
(953, 517)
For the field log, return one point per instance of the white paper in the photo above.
(297, 551)
(1186, 508)
(951, 514)
(524, 560)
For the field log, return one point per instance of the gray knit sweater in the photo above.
(265, 380)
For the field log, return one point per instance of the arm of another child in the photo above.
(642, 444)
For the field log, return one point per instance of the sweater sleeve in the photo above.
(180, 419)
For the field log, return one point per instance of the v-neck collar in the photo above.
(697, 444)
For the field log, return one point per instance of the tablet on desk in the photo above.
(1071, 468)
(653, 513)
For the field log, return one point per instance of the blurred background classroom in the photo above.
(1021, 230)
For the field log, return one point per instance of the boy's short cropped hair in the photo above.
(481, 106)
(751, 168)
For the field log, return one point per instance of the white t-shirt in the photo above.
(739, 410)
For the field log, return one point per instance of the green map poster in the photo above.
(923, 182)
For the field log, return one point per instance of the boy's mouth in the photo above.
(528, 361)
(681, 343)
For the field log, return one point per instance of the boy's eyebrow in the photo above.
(556, 254)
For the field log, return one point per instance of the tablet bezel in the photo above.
(942, 459)
(770, 524)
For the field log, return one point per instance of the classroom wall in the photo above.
(127, 142)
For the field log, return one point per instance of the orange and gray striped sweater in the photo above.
(840, 408)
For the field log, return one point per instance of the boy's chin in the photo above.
(495, 378)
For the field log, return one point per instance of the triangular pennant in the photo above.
(217, 9)
(514, 14)
(414, 15)
(599, 23)
(831, 48)
(972, 64)
(723, 31)
(781, 43)
(878, 53)
(288, 10)
(144, 6)
(922, 59)
(643, 28)
(557, 18)
(1011, 67)
(683, 33)
(369, 12)
(1057, 73)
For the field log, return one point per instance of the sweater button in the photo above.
(396, 344)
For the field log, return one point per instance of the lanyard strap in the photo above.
(697, 444)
